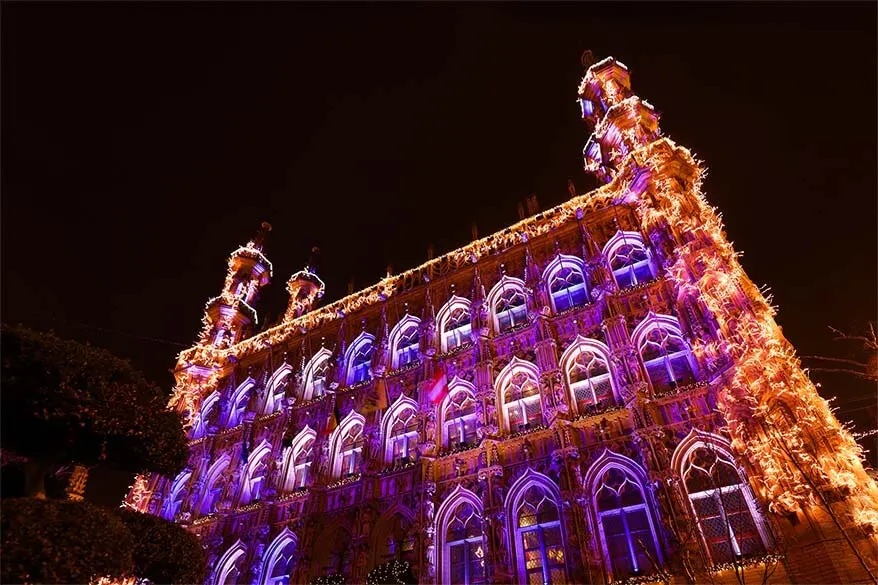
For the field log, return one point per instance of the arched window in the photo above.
(724, 508)
(459, 416)
(400, 429)
(629, 259)
(230, 569)
(455, 328)
(297, 460)
(333, 553)
(462, 550)
(536, 528)
(315, 375)
(519, 390)
(404, 342)
(175, 495)
(393, 538)
(359, 359)
(624, 516)
(213, 486)
(347, 443)
(586, 365)
(279, 559)
(238, 402)
(565, 278)
(200, 426)
(253, 481)
(508, 304)
(276, 388)
(666, 355)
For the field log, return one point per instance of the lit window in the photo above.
(510, 309)
(567, 287)
(279, 561)
(666, 355)
(629, 259)
(589, 378)
(457, 328)
(231, 566)
(349, 448)
(521, 401)
(254, 474)
(403, 436)
(464, 549)
(539, 540)
(239, 400)
(404, 339)
(360, 360)
(175, 496)
(587, 107)
(723, 507)
(298, 460)
(459, 418)
(628, 536)
(315, 375)
(276, 388)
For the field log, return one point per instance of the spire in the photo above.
(478, 294)
(258, 241)
(590, 248)
(429, 311)
(532, 274)
(381, 355)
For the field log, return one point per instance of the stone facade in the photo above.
(596, 394)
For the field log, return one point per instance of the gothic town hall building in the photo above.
(596, 394)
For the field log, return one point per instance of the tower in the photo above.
(229, 317)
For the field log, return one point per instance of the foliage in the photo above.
(163, 551)
(63, 402)
(61, 541)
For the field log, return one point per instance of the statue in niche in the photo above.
(527, 449)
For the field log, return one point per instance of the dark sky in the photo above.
(142, 143)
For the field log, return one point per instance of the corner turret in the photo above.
(229, 317)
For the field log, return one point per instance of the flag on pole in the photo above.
(332, 421)
(377, 398)
(437, 387)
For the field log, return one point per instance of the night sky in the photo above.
(143, 143)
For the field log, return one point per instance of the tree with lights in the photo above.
(68, 405)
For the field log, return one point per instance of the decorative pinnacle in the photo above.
(261, 236)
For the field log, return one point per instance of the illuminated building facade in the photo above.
(596, 394)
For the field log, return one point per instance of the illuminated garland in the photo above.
(390, 573)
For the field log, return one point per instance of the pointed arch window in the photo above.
(724, 508)
(315, 375)
(589, 379)
(629, 259)
(276, 388)
(200, 426)
(299, 457)
(455, 327)
(174, 501)
(508, 304)
(666, 355)
(520, 391)
(360, 359)
(238, 402)
(464, 551)
(213, 486)
(348, 446)
(402, 434)
(405, 341)
(459, 417)
(629, 539)
(254, 474)
(565, 278)
(231, 566)
(538, 538)
(279, 561)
